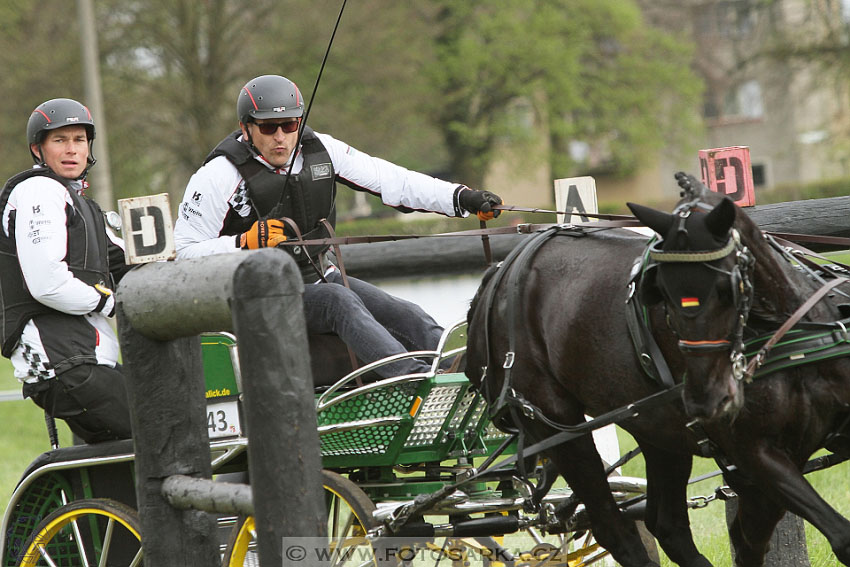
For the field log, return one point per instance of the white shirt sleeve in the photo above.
(203, 209)
(206, 201)
(41, 237)
(396, 185)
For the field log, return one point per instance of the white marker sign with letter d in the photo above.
(147, 229)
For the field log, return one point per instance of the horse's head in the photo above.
(702, 272)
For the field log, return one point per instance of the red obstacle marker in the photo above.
(728, 171)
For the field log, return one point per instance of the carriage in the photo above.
(383, 444)
(409, 460)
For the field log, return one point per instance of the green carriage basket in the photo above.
(410, 419)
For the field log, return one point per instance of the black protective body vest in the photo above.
(87, 258)
(307, 199)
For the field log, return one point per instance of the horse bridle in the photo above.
(739, 280)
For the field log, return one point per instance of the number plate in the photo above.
(223, 419)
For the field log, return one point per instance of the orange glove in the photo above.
(263, 234)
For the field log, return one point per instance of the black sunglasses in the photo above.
(269, 128)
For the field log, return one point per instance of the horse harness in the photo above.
(754, 358)
(509, 406)
(805, 342)
(742, 296)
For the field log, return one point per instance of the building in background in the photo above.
(790, 112)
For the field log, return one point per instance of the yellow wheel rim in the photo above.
(34, 551)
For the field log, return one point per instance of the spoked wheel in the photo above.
(531, 547)
(86, 533)
(349, 519)
(577, 550)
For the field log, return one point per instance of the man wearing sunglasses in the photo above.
(256, 177)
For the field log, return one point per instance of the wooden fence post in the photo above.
(788, 544)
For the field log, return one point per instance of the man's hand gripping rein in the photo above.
(480, 202)
(262, 234)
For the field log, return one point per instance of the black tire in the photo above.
(349, 518)
(82, 533)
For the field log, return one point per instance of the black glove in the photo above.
(480, 202)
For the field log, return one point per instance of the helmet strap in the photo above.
(38, 159)
(90, 161)
(248, 137)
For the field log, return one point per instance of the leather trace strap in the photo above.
(803, 255)
(341, 265)
(567, 433)
(759, 358)
(485, 242)
(518, 256)
(813, 238)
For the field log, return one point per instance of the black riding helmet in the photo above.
(269, 96)
(57, 113)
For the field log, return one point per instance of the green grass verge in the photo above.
(709, 524)
(23, 436)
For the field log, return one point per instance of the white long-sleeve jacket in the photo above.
(218, 187)
(39, 204)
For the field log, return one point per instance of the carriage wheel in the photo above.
(574, 549)
(349, 518)
(86, 532)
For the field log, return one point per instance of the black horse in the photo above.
(559, 328)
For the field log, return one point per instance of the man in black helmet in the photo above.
(58, 267)
(260, 174)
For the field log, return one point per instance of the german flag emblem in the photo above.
(690, 302)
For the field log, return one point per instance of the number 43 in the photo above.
(217, 421)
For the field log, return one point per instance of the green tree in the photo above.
(430, 85)
(588, 70)
(173, 70)
(169, 66)
(40, 60)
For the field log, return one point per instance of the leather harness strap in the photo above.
(813, 238)
(524, 250)
(759, 358)
(299, 241)
(341, 265)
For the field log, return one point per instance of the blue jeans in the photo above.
(373, 323)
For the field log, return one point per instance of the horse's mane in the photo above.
(488, 275)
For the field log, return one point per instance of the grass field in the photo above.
(23, 437)
(709, 524)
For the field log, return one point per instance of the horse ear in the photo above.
(720, 219)
(658, 221)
